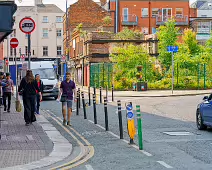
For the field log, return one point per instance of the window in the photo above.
(33, 52)
(59, 50)
(154, 30)
(125, 14)
(74, 43)
(203, 27)
(11, 51)
(154, 12)
(59, 19)
(45, 32)
(45, 19)
(179, 12)
(45, 51)
(144, 12)
(26, 50)
(59, 32)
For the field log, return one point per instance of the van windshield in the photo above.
(45, 73)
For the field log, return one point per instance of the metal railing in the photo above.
(179, 19)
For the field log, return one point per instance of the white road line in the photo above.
(165, 164)
(113, 134)
(89, 167)
(91, 121)
(100, 127)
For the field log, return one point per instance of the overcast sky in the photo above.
(60, 3)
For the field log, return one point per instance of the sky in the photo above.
(60, 3)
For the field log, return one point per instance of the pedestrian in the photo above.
(1, 84)
(28, 87)
(8, 91)
(37, 99)
(67, 90)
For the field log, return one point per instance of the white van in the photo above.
(48, 76)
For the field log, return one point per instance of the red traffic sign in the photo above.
(14, 42)
(7, 62)
(22, 56)
(27, 25)
(63, 58)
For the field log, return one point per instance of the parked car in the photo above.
(204, 113)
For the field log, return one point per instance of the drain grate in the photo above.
(178, 133)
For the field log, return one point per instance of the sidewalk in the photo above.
(28, 147)
(150, 93)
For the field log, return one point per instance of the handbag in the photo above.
(18, 106)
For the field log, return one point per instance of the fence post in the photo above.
(177, 73)
(106, 114)
(120, 119)
(77, 104)
(100, 94)
(112, 93)
(204, 76)
(140, 138)
(83, 104)
(94, 108)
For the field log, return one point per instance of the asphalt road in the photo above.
(190, 149)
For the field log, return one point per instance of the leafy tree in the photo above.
(107, 20)
(168, 36)
(128, 34)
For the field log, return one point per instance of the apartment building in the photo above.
(147, 15)
(47, 38)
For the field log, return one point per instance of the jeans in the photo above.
(5, 96)
(37, 103)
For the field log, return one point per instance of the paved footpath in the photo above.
(150, 93)
(29, 147)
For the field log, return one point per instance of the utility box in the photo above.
(141, 86)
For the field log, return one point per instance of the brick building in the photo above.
(147, 15)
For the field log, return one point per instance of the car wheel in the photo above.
(199, 121)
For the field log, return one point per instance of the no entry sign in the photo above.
(27, 25)
(14, 42)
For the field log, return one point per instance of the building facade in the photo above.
(46, 39)
(147, 15)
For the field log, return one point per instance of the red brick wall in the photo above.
(134, 7)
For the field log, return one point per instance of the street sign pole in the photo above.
(172, 72)
(29, 51)
(16, 74)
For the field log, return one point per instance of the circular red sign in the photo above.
(14, 42)
(22, 56)
(27, 25)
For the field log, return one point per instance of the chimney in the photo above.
(38, 2)
(103, 2)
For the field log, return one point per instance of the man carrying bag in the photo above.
(66, 96)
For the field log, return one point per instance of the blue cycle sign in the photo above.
(130, 114)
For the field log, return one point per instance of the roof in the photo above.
(202, 4)
(42, 8)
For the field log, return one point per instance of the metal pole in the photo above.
(112, 93)
(172, 72)
(140, 138)
(77, 104)
(8, 53)
(107, 92)
(106, 114)
(204, 76)
(100, 94)
(83, 103)
(94, 90)
(89, 95)
(94, 108)
(29, 51)
(120, 119)
(198, 77)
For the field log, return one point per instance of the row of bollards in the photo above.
(129, 114)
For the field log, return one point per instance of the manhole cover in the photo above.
(178, 133)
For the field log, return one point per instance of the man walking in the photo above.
(67, 90)
(8, 91)
(37, 100)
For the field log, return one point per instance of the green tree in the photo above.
(168, 36)
(128, 34)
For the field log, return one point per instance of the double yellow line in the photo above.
(86, 152)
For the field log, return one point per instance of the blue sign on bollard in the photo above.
(130, 114)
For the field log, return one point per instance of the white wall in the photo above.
(37, 40)
(203, 13)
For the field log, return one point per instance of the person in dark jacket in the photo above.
(28, 86)
(37, 99)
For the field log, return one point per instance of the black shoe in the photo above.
(27, 124)
(8, 111)
(5, 109)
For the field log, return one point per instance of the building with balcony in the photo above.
(147, 15)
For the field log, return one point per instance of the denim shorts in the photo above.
(68, 103)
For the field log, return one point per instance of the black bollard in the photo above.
(120, 119)
(77, 104)
(94, 108)
(100, 94)
(89, 95)
(112, 93)
(83, 104)
(107, 93)
(106, 114)
(79, 98)
(94, 90)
